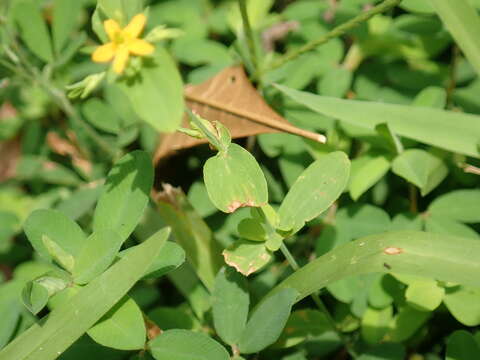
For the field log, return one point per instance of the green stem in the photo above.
(336, 32)
(318, 301)
(249, 34)
(31, 72)
(63, 102)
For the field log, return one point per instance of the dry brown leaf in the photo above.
(230, 98)
(10, 152)
(66, 148)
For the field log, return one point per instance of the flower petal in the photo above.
(111, 28)
(140, 47)
(136, 25)
(121, 58)
(104, 53)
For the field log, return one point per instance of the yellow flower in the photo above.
(123, 43)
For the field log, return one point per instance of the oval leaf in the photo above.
(234, 180)
(126, 194)
(421, 169)
(230, 305)
(122, 327)
(314, 190)
(461, 345)
(33, 29)
(58, 228)
(247, 256)
(267, 322)
(96, 256)
(461, 205)
(186, 345)
(156, 94)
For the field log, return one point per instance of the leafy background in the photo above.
(413, 167)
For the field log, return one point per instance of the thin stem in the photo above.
(336, 32)
(65, 104)
(316, 299)
(30, 72)
(248, 33)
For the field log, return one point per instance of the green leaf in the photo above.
(247, 256)
(101, 116)
(186, 345)
(421, 169)
(156, 94)
(60, 256)
(10, 309)
(424, 295)
(198, 197)
(460, 205)
(406, 323)
(192, 233)
(444, 225)
(230, 305)
(302, 325)
(65, 16)
(463, 22)
(121, 10)
(34, 297)
(72, 319)
(383, 291)
(314, 190)
(375, 324)
(251, 229)
(58, 229)
(126, 194)
(97, 254)
(79, 202)
(464, 304)
(33, 29)
(461, 345)
(335, 82)
(386, 351)
(366, 171)
(36, 293)
(234, 179)
(423, 254)
(448, 130)
(431, 96)
(267, 322)
(171, 257)
(122, 327)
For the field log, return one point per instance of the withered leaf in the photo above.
(69, 148)
(10, 152)
(229, 97)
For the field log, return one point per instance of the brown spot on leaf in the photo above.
(386, 266)
(237, 204)
(392, 250)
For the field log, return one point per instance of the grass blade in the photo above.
(463, 22)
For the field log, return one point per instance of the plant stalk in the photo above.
(336, 32)
(248, 33)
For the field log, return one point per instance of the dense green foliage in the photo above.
(331, 209)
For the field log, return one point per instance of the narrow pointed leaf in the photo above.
(70, 320)
(453, 131)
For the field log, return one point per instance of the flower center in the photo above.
(119, 38)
